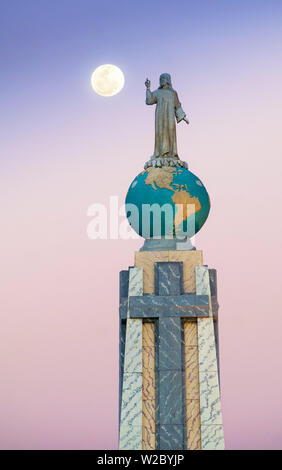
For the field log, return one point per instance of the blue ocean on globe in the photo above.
(167, 202)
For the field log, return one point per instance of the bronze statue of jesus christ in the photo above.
(168, 108)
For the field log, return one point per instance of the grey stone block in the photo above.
(217, 348)
(170, 397)
(122, 331)
(162, 244)
(123, 306)
(171, 437)
(170, 344)
(184, 244)
(215, 307)
(213, 282)
(151, 306)
(168, 278)
(157, 385)
(123, 283)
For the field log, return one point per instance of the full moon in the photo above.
(107, 80)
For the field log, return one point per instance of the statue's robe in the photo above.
(168, 108)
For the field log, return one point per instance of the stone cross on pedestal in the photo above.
(168, 308)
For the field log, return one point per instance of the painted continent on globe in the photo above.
(179, 189)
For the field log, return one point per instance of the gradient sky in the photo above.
(64, 148)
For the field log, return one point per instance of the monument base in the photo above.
(158, 162)
(169, 370)
(167, 244)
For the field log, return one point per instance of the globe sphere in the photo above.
(167, 202)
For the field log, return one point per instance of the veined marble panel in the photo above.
(147, 260)
(151, 306)
(123, 283)
(192, 373)
(122, 331)
(193, 425)
(206, 345)
(210, 404)
(171, 437)
(149, 378)
(170, 344)
(203, 283)
(213, 282)
(133, 346)
(190, 259)
(130, 437)
(168, 278)
(149, 375)
(131, 403)
(212, 437)
(148, 340)
(135, 286)
(149, 425)
(190, 333)
(170, 300)
(192, 392)
(149, 387)
(202, 280)
(171, 391)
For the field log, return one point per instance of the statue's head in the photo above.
(165, 79)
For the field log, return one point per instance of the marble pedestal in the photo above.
(169, 368)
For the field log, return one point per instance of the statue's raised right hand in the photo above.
(147, 83)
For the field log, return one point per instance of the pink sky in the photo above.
(64, 148)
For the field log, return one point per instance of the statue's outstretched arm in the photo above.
(150, 97)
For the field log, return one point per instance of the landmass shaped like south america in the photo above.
(163, 178)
